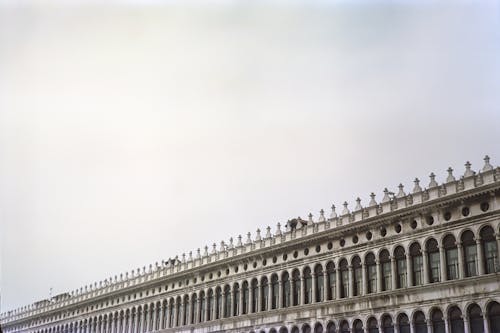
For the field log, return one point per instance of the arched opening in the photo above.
(416, 264)
(387, 324)
(371, 273)
(194, 309)
(451, 256)
(437, 321)
(210, 304)
(433, 260)
(296, 286)
(490, 250)
(236, 299)
(456, 321)
(344, 279)
(372, 325)
(470, 253)
(185, 310)
(272, 330)
(344, 326)
(245, 294)
(306, 328)
(419, 322)
(285, 278)
(318, 328)
(283, 329)
(307, 286)
(401, 269)
(255, 295)
(127, 321)
(264, 286)
(357, 276)
(330, 327)
(133, 320)
(295, 329)
(385, 263)
(493, 313)
(319, 280)
(330, 275)
(227, 301)
(178, 311)
(403, 323)
(157, 315)
(274, 291)
(476, 320)
(172, 312)
(357, 326)
(203, 307)
(218, 303)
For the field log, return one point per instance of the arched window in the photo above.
(318, 328)
(344, 327)
(357, 276)
(344, 279)
(387, 325)
(203, 306)
(127, 320)
(451, 255)
(417, 264)
(285, 278)
(245, 298)
(330, 327)
(185, 310)
(178, 310)
(283, 329)
(437, 321)
(236, 299)
(476, 320)
(227, 301)
(272, 330)
(320, 286)
(372, 325)
(401, 270)
(490, 250)
(470, 253)
(150, 313)
(255, 295)
(403, 323)
(194, 309)
(218, 303)
(158, 312)
(330, 275)
(456, 321)
(493, 312)
(307, 286)
(419, 322)
(295, 329)
(132, 319)
(264, 286)
(172, 313)
(210, 304)
(357, 326)
(296, 287)
(433, 260)
(385, 263)
(371, 273)
(306, 328)
(275, 289)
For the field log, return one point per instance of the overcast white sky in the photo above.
(133, 133)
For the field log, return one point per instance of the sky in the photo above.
(133, 132)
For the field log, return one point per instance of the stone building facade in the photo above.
(419, 262)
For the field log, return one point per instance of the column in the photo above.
(162, 316)
(269, 293)
(314, 288)
(351, 281)
(446, 325)
(325, 285)
(112, 325)
(409, 270)
(240, 301)
(280, 294)
(302, 290)
(412, 326)
(393, 273)
(147, 314)
(188, 311)
(206, 305)
(364, 281)
(337, 283)
(461, 266)
(480, 255)
(223, 304)
(198, 308)
(259, 298)
(466, 324)
(442, 263)
(251, 296)
(486, 323)
(425, 260)
(379, 275)
(498, 250)
(169, 314)
(429, 326)
(136, 322)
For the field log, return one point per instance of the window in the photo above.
(385, 263)
(320, 284)
(437, 321)
(275, 291)
(401, 271)
(227, 301)
(264, 286)
(372, 325)
(475, 319)
(296, 287)
(244, 305)
(387, 326)
(308, 285)
(489, 249)
(456, 321)
(236, 299)
(344, 279)
(172, 314)
(417, 264)
(330, 275)
(470, 253)
(451, 255)
(419, 322)
(330, 328)
(371, 273)
(344, 327)
(286, 290)
(357, 326)
(185, 310)
(494, 316)
(178, 310)
(255, 295)
(202, 307)
(210, 304)
(403, 323)
(357, 276)
(433, 260)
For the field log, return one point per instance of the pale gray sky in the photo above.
(133, 133)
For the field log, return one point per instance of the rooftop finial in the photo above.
(278, 229)
(468, 171)
(450, 177)
(268, 232)
(401, 193)
(310, 220)
(214, 248)
(206, 251)
(222, 246)
(345, 210)
(386, 197)
(358, 204)
(417, 187)
(321, 216)
(231, 245)
(239, 243)
(487, 166)
(333, 214)
(249, 238)
(433, 182)
(257, 236)
(198, 253)
(372, 200)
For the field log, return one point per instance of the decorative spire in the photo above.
(231, 245)
(206, 251)
(214, 248)
(386, 195)
(345, 210)
(417, 187)
(358, 204)
(468, 171)
(299, 223)
(268, 232)
(278, 229)
(433, 182)
(249, 238)
(401, 193)
(198, 253)
(487, 166)
(239, 243)
(321, 216)
(190, 256)
(310, 220)
(450, 177)
(222, 246)
(257, 237)
(372, 200)
(333, 214)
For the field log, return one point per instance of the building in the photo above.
(423, 261)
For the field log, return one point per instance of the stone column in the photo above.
(466, 324)
(409, 270)
(240, 301)
(222, 315)
(198, 308)
(314, 288)
(251, 296)
(351, 282)
(162, 316)
(259, 298)
(136, 319)
(412, 326)
(325, 286)
(169, 314)
(442, 264)
(113, 323)
(206, 306)
(269, 294)
(480, 256)
(425, 261)
(393, 273)
(461, 267)
(280, 294)
(446, 325)
(486, 323)
(429, 326)
(302, 290)
(498, 250)
(364, 281)
(337, 283)
(379, 275)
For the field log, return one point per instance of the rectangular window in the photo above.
(401, 266)
(417, 270)
(386, 276)
(471, 260)
(434, 266)
(372, 279)
(452, 264)
(345, 284)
